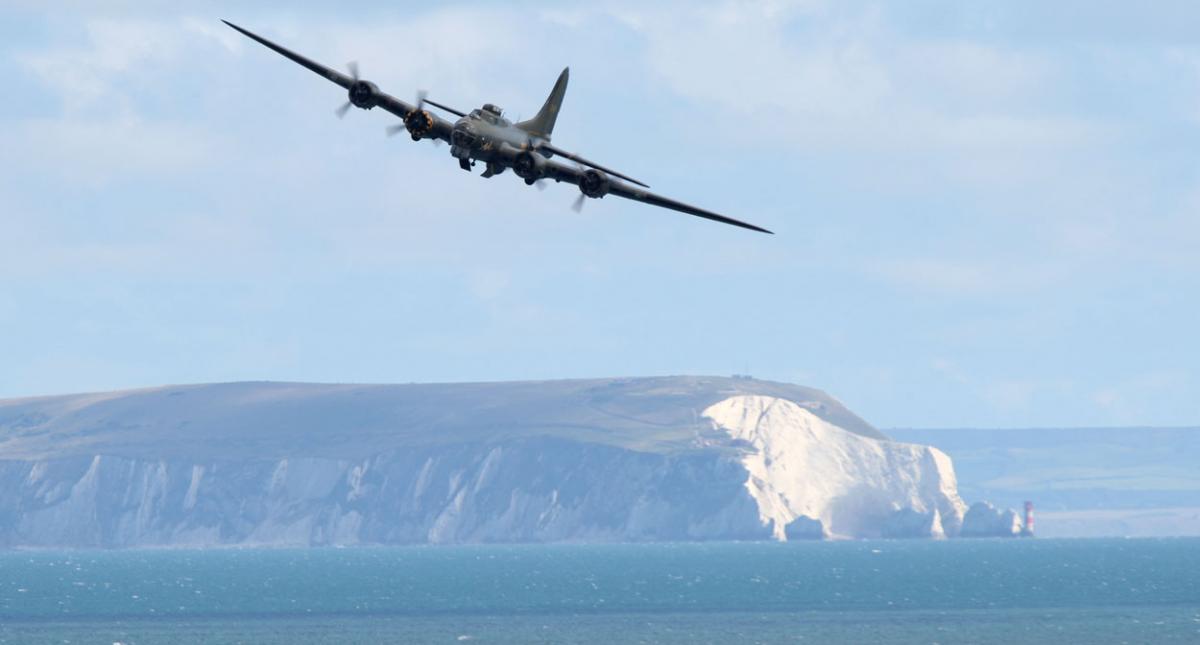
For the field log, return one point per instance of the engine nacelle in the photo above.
(364, 94)
(418, 123)
(529, 165)
(594, 183)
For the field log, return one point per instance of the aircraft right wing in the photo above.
(363, 94)
(574, 175)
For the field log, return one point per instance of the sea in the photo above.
(957, 591)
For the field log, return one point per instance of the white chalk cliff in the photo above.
(801, 466)
(674, 458)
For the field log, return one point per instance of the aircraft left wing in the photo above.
(364, 94)
(574, 175)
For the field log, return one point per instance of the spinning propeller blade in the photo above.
(352, 67)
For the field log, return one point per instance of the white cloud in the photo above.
(84, 76)
(852, 80)
(1124, 401)
(1010, 396)
(95, 150)
(959, 168)
(971, 276)
(949, 369)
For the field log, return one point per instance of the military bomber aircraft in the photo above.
(485, 135)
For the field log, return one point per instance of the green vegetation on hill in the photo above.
(265, 419)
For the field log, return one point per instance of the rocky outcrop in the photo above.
(805, 528)
(985, 520)
(258, 464)
(907, 523)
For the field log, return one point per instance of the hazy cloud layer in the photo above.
(987, 215)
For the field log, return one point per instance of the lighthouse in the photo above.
(1027, 530)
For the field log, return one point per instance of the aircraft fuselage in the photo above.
(485, 135)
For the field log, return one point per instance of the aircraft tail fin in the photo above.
(542, 124)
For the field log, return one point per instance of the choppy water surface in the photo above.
(983, 591)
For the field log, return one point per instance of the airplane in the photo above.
(485, 135)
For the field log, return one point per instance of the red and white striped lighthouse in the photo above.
(1027, 530)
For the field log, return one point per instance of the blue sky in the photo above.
(985, 215)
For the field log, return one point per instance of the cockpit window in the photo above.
(489, 113)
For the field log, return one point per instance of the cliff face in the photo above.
(231, 469)
(802, 466)
(523, 491)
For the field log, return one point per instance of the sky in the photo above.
(986, 214)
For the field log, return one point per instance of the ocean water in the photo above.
(959, 591)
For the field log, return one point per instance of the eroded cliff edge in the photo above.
(679, 458)
(801, 467)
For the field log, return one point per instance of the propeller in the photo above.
(421, 95)
(399, 127)
(352, 67)
(393, 130)
(577, 205)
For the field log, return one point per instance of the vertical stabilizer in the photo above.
(543, 123)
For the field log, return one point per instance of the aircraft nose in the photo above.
(464, 135)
